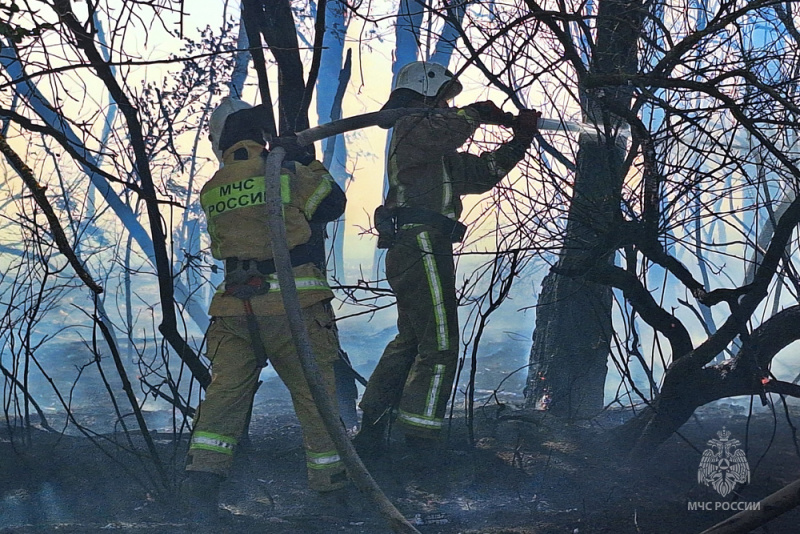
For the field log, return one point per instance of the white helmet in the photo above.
(216, 123)
(427, 79)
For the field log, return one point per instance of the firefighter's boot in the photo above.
(200, 495)
(370, 441)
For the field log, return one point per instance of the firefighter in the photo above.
(248, 325)
(418, 223)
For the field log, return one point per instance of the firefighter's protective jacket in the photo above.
(233, 200)
(426, 171)
(427, 174)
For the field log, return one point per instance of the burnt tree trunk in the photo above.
(573, 319)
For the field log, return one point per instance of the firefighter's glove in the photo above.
(489, 113)
(303, 155)
(526, 124)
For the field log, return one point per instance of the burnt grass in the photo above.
(527, 473)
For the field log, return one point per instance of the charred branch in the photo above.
(636, 234)
(757, 291)
(551, 20)
(250, 14)
(645, 305)
(275, 22)
(316, 60)
(686, 388)
(29, 398)
(783, 388)
(653, 251)
(731, 296)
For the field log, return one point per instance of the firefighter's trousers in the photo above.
(221, 418)
(417, 368)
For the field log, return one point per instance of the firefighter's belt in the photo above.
(245, 279)
(447, 226)
(241, 270)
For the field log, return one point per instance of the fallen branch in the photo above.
(291, 303)
(769, 508)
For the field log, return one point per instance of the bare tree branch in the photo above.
(40, 197)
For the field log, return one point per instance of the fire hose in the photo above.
(388, 117)
(291, 304)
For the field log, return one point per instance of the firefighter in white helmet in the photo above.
(227, 107)
(249, 325)
(418, 223)
(430, 80)
(346, 391)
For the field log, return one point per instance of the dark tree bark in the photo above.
(573, 318)
(771, 507)
(275, 23)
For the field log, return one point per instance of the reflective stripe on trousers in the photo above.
(323, 460)
(436, 292)
(431, 423)
(213, 442)
(428, 419)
